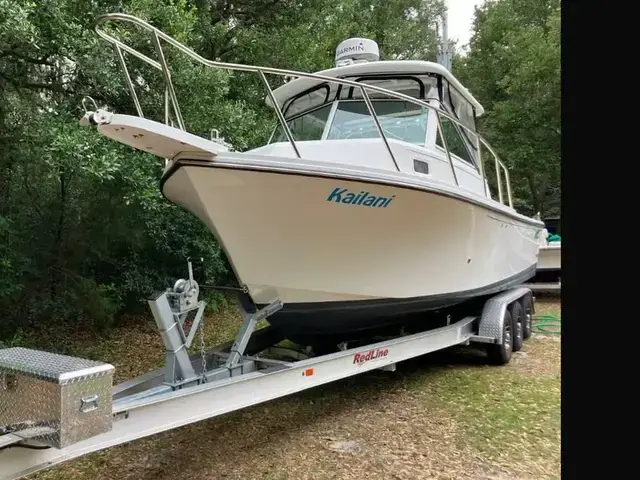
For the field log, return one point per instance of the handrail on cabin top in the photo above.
(171, 98)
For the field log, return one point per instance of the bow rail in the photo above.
(172, 105)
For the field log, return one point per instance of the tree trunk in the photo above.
(538, 195)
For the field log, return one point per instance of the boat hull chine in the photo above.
(309, 323)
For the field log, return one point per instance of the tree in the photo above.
(84, 232)
(513, 67)
(87, 228)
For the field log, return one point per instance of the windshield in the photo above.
(399, 119)
(308, 126)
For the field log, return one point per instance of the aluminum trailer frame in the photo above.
(226, 378)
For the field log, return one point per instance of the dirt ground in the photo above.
(442, 416)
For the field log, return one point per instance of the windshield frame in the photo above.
(333, 98)
(278, 134)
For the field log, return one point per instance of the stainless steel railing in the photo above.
(171, 100)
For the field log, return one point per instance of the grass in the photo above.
(447, 416)
(548, 306)
(510, 417)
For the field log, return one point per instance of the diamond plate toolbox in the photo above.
(56, 399)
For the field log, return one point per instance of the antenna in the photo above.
(444, 53)
(356, 50)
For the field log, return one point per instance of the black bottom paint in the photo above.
(321, 322)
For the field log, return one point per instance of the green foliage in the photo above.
(85, 233)
(17, 339)
(513, 67)
(85, 230)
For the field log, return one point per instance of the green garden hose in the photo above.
(546, 324)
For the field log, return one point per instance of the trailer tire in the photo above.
(517, 318)
(500, 353)
(527, 316)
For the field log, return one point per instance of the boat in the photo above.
(369, 203)
(549, 267)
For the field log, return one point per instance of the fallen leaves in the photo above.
(447, 416)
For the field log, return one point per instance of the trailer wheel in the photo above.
(527, 316)
(518, 325)
(500, 354)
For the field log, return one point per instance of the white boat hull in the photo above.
(550, 258)
(288, 237)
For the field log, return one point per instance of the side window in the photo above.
(420, 166)
(460, 107)
(308, 126)
(454, 140)
(313, 99)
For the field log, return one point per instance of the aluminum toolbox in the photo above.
(56, 399)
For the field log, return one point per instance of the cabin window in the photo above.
(408, 86)
(421, 167)
(455, 143)
(307, 101)
(416, 87)
(308, 126)
(399, 120)
(456, 103)
(461, 109)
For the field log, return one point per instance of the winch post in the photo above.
(177, 363)
(170, 310)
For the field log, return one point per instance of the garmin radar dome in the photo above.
(356, 50)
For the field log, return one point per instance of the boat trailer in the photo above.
(54, 408)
